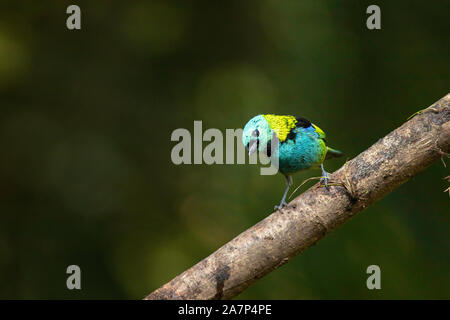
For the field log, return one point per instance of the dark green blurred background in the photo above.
(86, 117)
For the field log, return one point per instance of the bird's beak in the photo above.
(252, 148)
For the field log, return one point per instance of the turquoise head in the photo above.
(257, 134)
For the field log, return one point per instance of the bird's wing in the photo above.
(331, 153)
(320, 132)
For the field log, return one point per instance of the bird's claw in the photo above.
(282, 204)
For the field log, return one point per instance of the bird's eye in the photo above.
(255, 133)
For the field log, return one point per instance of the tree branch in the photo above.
(272, 242)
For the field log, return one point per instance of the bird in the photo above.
(301, 145)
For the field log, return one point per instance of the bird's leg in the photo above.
(325, 176)
(283, 200)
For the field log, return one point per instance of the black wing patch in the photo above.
(291, 135)
(302, 122)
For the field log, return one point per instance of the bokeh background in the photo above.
(86, 117)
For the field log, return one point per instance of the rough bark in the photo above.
(272, 242)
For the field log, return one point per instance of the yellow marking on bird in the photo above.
(280, 124)
(319, 131)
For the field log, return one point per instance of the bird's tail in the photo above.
(333, 153)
